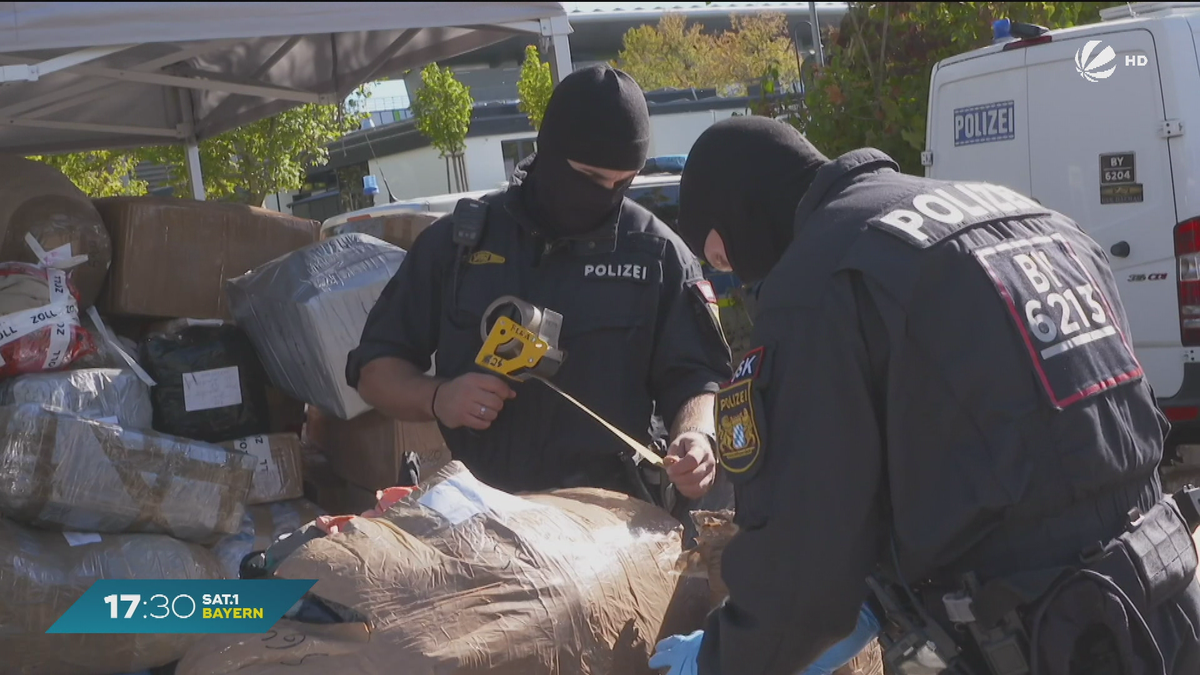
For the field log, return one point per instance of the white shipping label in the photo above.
(57, 255)
(266, 479)
(81, 538)
(209, 389)
(459, 498)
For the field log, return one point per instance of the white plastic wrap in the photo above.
(305, 312)
(107, 395)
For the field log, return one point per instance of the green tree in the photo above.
(101, 173)
(247, 164)
(442, 108)
(534, 87)
(874, 92)
(677, 54)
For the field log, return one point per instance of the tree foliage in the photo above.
(534, 87)
(874, 92)
(244, 165)
(442, 108)
(261, 158)
(677, 54)
(102, 173)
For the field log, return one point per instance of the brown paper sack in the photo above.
(64, 472)
(277, 473)
(43, 573)
(715, 529)
(37, 199)
(171, 257)
(462, 579)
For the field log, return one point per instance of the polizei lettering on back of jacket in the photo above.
(927, 218)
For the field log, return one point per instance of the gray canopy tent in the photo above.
(99, 75)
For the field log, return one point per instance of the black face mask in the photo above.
(568, 203)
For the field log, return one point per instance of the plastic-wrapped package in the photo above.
(459, 578)
(39, 320)
(397, 229)
(261, 526)
(278, 475)
(44, 217)
(62, 471)
(42, 573)
(211, 386)
(305, 312)
(113, 396)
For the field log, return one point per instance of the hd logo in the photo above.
(1091, 65)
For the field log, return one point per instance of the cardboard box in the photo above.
(399, 229)
(368, 450)
(328, 490)
(277, 474)
(38, 201)
(171, 257)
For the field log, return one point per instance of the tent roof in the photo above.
(89, 75)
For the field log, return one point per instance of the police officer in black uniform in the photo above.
(943, 402)
(639, 322)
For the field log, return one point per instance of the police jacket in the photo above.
(639, 328)
(941, 369)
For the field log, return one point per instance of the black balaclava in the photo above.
(596, 116)
(744, 178)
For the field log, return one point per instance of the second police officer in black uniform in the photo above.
(639, 323)
(943, 401)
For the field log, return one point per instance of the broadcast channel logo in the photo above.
(1089, 67)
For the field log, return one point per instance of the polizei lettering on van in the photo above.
(932, 216)
(985, 123)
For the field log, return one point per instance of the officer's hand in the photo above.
(472, 400)
(677, 654)
(695, 468)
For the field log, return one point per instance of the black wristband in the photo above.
(433, 402)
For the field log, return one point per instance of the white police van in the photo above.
(1101, 123)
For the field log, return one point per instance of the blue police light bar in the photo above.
(370, 186)
(1001, 29)
(665, 164)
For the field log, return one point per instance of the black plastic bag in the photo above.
(211, 384)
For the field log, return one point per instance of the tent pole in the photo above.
(816, 33)
(555, 31)
(195, 176)
(191, 146)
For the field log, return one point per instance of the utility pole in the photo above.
(816, 33)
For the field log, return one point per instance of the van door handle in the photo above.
(1120, 249)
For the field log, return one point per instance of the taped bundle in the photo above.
(61, 471)
(102, 394)
(278, 475)
(43, 573)
(39, 320)
(461, 579)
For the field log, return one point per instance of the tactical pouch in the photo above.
(1094, 619)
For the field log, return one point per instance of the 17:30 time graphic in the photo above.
(181, 606)
(169, 606)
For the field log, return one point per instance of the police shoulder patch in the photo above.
(751, 365)
(739, 439)
(935, 213)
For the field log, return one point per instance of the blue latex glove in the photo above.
(840, 654)
(678, 653)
